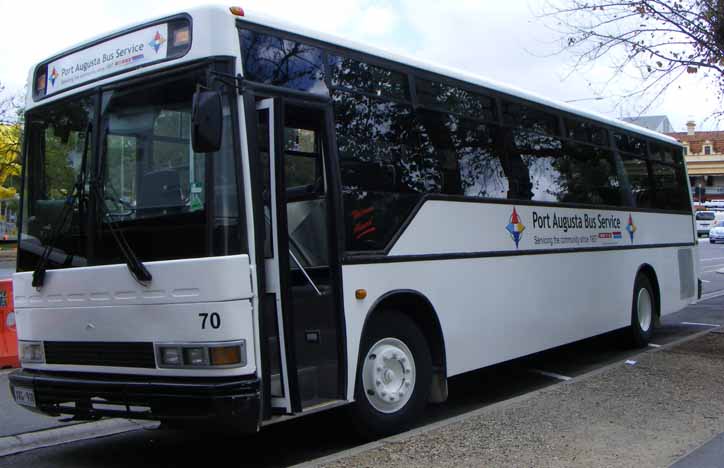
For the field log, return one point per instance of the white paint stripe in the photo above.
(701, 324)
(711, 259)
(64, 435)
(654, 345)
(705, 281)
(712, 295)
(551, 374)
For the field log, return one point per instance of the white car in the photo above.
(716, 233)
(704, 222)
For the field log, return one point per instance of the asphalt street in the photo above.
(327, 433)
(712, 260)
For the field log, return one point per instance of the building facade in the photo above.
(704, 153)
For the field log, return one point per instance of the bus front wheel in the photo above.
(394, 375)
(643, 312)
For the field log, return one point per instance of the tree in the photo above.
(662, 40)
(11, 137)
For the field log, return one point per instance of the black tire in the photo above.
(639, 335)
(711, 241)
(368, 421)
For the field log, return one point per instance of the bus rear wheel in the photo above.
(643, 312)
(394, 375)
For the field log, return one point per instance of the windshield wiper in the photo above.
(135, 266)
(77, 192)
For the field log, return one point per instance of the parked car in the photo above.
(716, 233)
(704, 221)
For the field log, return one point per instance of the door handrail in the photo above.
(306, 275)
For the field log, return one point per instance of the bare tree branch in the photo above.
(663, 40)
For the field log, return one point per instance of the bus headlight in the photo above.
(195, 357)
(31, 351)
(170, 356)
(201, 355)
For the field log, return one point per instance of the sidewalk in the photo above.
(649, 414)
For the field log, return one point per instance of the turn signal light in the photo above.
(236, 11)
(360, 294)
(225, 356)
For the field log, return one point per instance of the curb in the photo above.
(480, 411)
(19, 443)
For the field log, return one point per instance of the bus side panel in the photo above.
(501, 304)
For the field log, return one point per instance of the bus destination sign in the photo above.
(109, 57)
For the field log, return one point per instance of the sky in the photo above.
(504, 41)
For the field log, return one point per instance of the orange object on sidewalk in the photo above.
(8, 335)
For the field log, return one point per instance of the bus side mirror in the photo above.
(206, 122)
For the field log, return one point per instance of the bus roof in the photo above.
(217, 12)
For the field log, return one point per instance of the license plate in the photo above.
(24, 396)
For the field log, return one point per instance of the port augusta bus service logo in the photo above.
(515, 227)
(631, 228)
(157, 41)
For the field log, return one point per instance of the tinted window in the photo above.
(589, 175)
(663, 154)
(546, 169)
(630, 144)
(280, 62)
(639, 180)
(533, 158)
(455, 100)
(529, 118)
(382, 177)
(359, 76)
(671, 192)
(467, 155)
(586, 132)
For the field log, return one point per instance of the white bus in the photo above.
(230, 219)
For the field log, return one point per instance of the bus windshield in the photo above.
(154, 186)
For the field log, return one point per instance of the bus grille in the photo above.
(100, 354)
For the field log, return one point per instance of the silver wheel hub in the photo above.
(388, 375)
(644, 309)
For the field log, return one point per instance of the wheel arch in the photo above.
(420, 310)
(648, 271)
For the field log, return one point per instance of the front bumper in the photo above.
(233, 401)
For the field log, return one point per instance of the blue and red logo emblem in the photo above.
(53, 76)
(515, 228)
(631, 228)
(157, 41)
